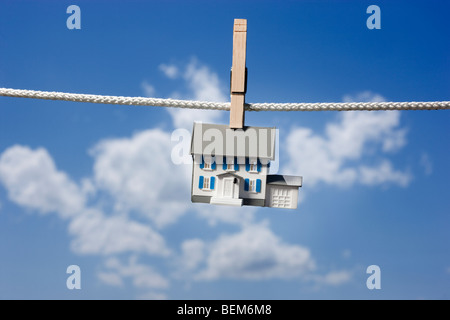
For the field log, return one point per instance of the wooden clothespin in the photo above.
(238, 74)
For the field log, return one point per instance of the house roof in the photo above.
(229, 174)
(220, 140)
(282, 180)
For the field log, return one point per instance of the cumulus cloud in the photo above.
(338, 156)
(193, 253)
(169, 70)
(254, 253)
(383, 173)
(426, 163)
(363, 96)
(33, 181)
(139, 175)
(148, 89)
(96, 233)
(334, 278)
(199, 83)
(115, 273)
(203, 83)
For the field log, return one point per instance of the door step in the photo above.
(226, 201)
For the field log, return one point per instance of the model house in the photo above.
(230, 167)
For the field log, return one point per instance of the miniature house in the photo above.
(230, 167)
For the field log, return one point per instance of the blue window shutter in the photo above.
(200, 183)
(202, 164)
(246, 184)
(224, 166)
(247, 164)
(211, 183)
(258, 166)
(236, 165)
(213, 165)
(258, 185)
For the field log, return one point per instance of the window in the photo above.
(253, 166)
(208, 164)
(206, 183)
(252, 185)
(229, 165)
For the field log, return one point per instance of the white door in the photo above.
(228, 187)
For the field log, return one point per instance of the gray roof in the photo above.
(278, 179)
(220, 140)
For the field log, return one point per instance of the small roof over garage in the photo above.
(283, 180)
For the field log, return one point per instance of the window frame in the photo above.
(206, 183)
(207, 166)
(252, 185)
(253, 167)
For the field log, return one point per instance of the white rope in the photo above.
(349, 106)
(130, 101)
(190, 104)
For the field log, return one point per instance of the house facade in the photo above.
(230, 167)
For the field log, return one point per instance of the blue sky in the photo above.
(95, 185)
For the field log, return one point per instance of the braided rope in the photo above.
(349, 106)
(119, 100)
(206, 105)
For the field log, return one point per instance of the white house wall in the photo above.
(197, 172)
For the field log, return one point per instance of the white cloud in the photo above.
(334, 278)
(170, 70)
(338, 156)
(216, 214)
(357, 129)
(142, 276)
(255, 253)
(202, 84)
(426, 163)
(184, 118)
(364, 96)
(95, 233)
(384, 173)
(148, 89)
(139, 174)
(110, 278)
(193, 253)
(153, 296)
(33, 181)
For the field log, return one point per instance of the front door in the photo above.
(228, 187)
